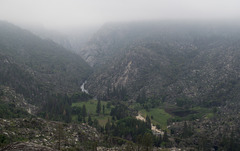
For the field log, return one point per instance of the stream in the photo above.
(82, 87)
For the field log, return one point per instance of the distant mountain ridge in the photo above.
(168, 60)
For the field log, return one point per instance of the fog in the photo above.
(58, 14)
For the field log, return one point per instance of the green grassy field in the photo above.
(91, 106)
(198, 113)
(159, 116)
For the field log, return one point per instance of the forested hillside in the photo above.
(119, 75)
(168, 60)
(151, 85)
(185, 75)
(37, 68)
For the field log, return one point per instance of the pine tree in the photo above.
(80, 118)
(187, 130)
(148, 122)
(108, 105)
(103, 108)
(147, 141)
(95, 123)
(98, 110)
(90, 122)
(158, 141)
(139, 141)
(108, 126)
(84, 113)
(165, 136)
(59, 135)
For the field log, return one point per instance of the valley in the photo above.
(154, 85)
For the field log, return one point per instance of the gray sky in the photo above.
(72, 13)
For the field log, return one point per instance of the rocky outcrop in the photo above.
(25, 146)
(224, 125)
(47, 133)
(10, 96)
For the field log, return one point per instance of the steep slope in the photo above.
(199, 62)
(109, 41)
(36, 67)
(73, 39)
(33, 133)
(114, 38)
(13, 105)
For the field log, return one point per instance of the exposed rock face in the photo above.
(20, 146)
(10, 96)
(165, 60)
(46, 133)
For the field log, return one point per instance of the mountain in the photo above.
(35, 67)
(158, 85)
(73, 39)
(167, 60)
(108, 41)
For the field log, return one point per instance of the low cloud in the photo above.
(72, 13)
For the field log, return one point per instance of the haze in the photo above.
(56, 14)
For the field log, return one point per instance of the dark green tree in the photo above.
(67, 115)
(98, 110)
(90, 122)
(84, 113)
(103, 109)
(108, 126)
(165, 136)
(187, 131)
(148, 122)
(59, 135)
(139, 141)
(147, 141)
(108, 105)
(158, 141)
(80, 118)
(120, 111)
(141, 98)
(95, 123)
